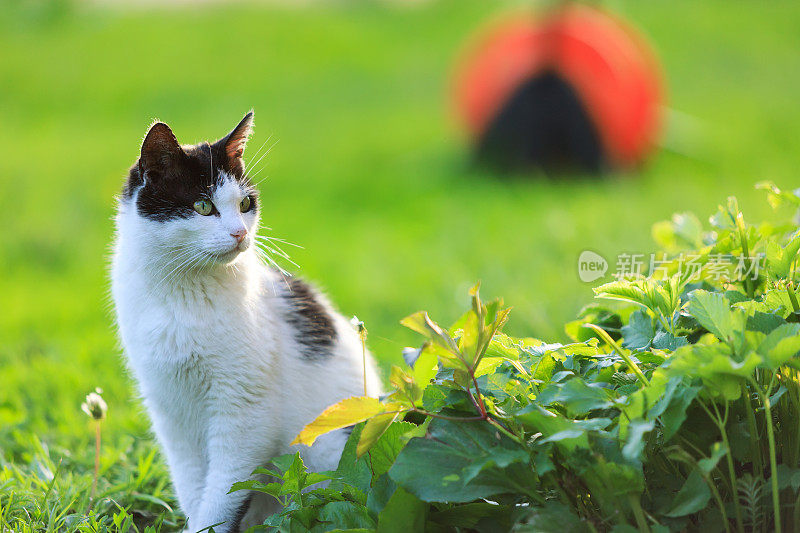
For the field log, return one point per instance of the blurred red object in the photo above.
(602, 61)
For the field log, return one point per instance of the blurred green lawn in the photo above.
(370, 173)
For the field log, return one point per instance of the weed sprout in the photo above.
(95, 407)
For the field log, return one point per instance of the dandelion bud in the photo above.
(358, 325)
(95, 406)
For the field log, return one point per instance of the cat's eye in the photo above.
(204, 207)
(245, 204)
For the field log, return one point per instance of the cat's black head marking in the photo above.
(168, 178)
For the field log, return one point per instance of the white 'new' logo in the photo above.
(591, 266)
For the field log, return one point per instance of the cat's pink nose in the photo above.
(239, 235)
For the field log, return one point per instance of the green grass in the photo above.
(369, 174)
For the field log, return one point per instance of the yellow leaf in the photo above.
(488, 365)
(345, 413)
(373, 429)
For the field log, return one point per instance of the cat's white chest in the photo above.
(169, 350)
(171, 327)
(194, 351)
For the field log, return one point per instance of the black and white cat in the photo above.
(232, 358)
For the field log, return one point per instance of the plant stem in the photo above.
(793, 377)
(796, 516)
(503, 430)
(773, 463)
(473, 400)
(481, 406)
(755, 450)
(792, 297)
(96, 457)
(720, 504)
(746, 282)
(363, 337)
(664, 322)
(720, 423)
(636, 507)
(627, 358)
(445, 417)
(732, 474)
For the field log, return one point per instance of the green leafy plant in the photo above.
(674, 408)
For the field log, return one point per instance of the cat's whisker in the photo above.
(211, 159)
(282, 241)
(259, 151)
(263, 254)
(259, 182)
(183, 253)
(266, 153)
(282, 254)
(271, 262)
(282, 272)
(201, 264)
(271, 246)
(259, 170)
(233, 267)
(265, 260)
(268, 258)
(198, 265)
(179, 252)
(274, 248)
(270, 243)
(179, 269)
(253, 174)
(269, 250)
(164, 284)
(262, 238)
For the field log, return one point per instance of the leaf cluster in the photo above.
(674, 408)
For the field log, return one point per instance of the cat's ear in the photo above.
(235, 142)
(160, 149)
